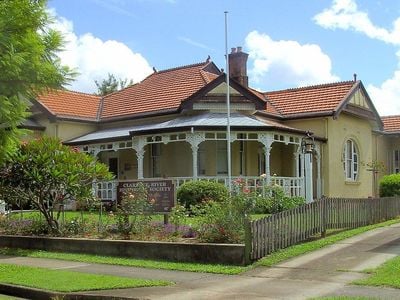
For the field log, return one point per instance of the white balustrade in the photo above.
(292, 186)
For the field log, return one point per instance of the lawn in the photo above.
(388, 275)
(67, 281)
(344, 298)
(131, 262)
(299, 249)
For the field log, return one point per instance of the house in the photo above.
(174, 124)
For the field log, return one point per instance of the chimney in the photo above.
(238, 66)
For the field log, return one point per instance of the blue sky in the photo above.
(291, 43)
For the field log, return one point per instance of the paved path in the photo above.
(324, 272)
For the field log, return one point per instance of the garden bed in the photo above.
(231, 254)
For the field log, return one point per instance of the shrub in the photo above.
(390, 185)
(197, 192)
(24, 227)
(276, 201)
(220, 222)
(47, 173)
(133, 213)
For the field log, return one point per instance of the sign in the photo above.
(162, 192)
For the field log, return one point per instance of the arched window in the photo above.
(350, 160)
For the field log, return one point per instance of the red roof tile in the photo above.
(62, 103)
(391, 123)
(311, 99)
(159, 91)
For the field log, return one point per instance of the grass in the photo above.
(299, 249)
(344, 298)
(5, 297)
(388, 275)
(67, 281)
(131, 262)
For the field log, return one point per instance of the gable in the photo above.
(214, 95)
(359, 104)
(358, 99)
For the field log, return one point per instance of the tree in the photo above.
(28, 62)
(111, 85)
(47, 173)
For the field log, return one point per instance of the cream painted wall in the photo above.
(393, 143)
(127, 164)
(177, 160)
(316, 125)
(339, 131)
(66, 130)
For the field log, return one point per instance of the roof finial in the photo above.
(355, 77)
(154, 70)
(208, 59)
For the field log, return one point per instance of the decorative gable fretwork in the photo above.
(141, 141)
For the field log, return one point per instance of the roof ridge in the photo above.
(183, 67)
(125, 88)
(312, 86)
(390, 116)
(76, 92)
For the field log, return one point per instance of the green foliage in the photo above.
(134, 212)
(300, 249)
(390, 185)
(111, 85)
(28, 62)
(220, 222)
(47, 173)
(123, 261)
(178, 215)
(196, 192)
(35, 226)
(274, 200)
(385, 275)
(67, 281)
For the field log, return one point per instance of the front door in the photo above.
(113, 166)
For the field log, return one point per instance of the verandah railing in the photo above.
(290, 227)
(292, 186)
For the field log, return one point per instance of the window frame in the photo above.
(351, 160)
(396, 162)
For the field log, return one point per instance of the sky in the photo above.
(291, 43)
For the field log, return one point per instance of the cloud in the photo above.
(287, 62)
(344, 14)
(94, 58)
(386, 96)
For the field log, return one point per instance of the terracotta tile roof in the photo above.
(311, 99)
(271, 109)
(160, 91)
(69, 104)
(391, 123)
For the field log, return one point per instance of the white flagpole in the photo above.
(228, 107)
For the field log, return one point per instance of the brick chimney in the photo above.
(238, 66)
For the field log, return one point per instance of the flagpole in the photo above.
(228, 107)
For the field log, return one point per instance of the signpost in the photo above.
(161, 192)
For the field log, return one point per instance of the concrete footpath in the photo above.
(321, 273)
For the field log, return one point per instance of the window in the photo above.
(261, 161)
(242, 158)
(350, 160)
(396, 161)
(222, 160)
(201, 160)
(155, 160)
